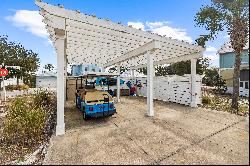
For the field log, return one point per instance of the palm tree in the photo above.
(233, 16)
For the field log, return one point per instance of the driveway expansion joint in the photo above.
(197, 142)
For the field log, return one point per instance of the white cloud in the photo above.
(162, 28)
(31, 21)
(211, 53)
(137, 25)
(211, 49)
(212, 57)
(153, 25)
(50, 42)
(175, 33)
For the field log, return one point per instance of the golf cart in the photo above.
(95, 101)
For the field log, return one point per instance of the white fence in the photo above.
(170, 88)
(14, 93)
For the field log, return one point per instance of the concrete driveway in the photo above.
(176, 135)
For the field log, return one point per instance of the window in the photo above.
(246, 85)
(93, 69)
(244, 75)
(241, 84)
(86, 68)
(100, 70)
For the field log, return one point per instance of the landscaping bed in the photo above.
(27, 125)
(223, 103)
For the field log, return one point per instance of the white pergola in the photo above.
(80, 38)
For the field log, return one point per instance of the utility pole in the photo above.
(4, 90)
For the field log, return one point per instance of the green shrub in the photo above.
(24, 123)
(213, 79)
(17, 87)
(30, 118)
(9, 87)
(23, 87)
(244, 109)
(44, 98)
(206, 100)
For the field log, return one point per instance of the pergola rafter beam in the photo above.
(172, 60)
(134, 62)
(151, 46)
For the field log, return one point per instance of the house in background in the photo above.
(227, 60)
(77, 70)
(11, 81)
(46, 79)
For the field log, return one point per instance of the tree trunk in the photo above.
(238, 38)
(236, 81)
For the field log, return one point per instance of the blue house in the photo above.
(227, 60)
(77, 70)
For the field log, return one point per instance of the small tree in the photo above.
(209, 77)
(49, 67)
(232, 15)
(213, 79)
(13, 54)
(220, 84)
(179, 68)
(161, 71)
(122, 69)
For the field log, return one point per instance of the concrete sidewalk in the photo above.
(176, 135)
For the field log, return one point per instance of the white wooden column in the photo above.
(65, 75)
(150, 70)
(193, 83)
(153, 71)
(133, 76)
(60, 47)
(118, 82)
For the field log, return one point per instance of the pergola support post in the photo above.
(118, 83)
(60, 47)
(65, 76)
(193, 83)
(133, 75)
(150, 70)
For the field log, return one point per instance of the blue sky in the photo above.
(174, 18)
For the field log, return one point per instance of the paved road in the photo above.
(176, 135)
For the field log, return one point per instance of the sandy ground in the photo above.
(176, 135)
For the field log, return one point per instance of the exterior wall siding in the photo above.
(11, 81)
(81, 69)
(227, 75)
(227, 59)
(47, 82)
